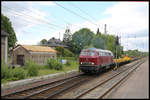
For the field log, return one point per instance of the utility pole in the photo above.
(59, 35)
(127, 42)
(116, 43)
(135, 40)
(105, 32)
(120, 44)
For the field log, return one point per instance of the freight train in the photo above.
(96, 60)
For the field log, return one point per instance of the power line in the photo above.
(26, 19)
(35, 18)
(51, 15)
(74, 13)
(83, 11)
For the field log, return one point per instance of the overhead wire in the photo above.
(75, 13)
(53, 16)
(26, 18)
(84, 12)
(36, 18)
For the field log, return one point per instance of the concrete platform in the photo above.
(136, 86)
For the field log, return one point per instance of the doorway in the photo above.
(20, 60)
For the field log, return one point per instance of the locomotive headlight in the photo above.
(92, 63)
(81, 63)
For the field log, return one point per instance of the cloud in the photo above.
(124, 18)
(46, 3)
(23, 17)
(127, 17)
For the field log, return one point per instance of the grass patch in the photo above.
(73, 66)
(23, 72)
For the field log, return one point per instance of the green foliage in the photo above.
(54, 64)
(89, 46)
(68, 63)
(67, 37)
(32, 68)
(84, 38)
(43, 41)
(64, 52)
(80, 39)
(71, 58)
(68, 53)
(98, 42)
(18, 73)
(9, 74)
(60, 51)
(98, 32)
(5, 72)
(7, 27)
(135, 53)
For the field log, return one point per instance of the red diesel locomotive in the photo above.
(95, 60)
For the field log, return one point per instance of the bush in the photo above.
(18, 73)
(32, 68)
(54, 64)
(68, 53)
(11, 74)
(5, 71)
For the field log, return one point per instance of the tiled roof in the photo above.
(35, 48)
(55, 42)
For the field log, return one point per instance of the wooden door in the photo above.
(20, 59)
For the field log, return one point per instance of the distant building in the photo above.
(39, 54)
(55, 43)
(4, 46)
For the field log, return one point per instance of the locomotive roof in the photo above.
(95, 49)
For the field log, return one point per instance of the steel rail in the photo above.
(64, 89)
(32, 88)
(52, 87)
(112, 87)
(103, 82)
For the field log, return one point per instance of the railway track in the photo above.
(50, 90)
(29, 91)
(107, 85)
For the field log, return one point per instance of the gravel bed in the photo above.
(73, 92)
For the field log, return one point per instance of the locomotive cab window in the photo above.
(87, 53)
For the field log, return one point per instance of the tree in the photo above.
(117, 40)
(67, 37)
(7, 27)
(43, 41)
(98, 42)
(61, 51)
(98, 32)
(80, 39)
(110, 42)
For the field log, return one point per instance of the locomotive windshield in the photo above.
(87, 53)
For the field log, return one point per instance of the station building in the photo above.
(39, 54)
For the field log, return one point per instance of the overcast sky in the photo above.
(34, 21)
